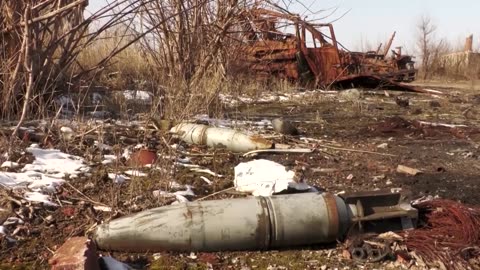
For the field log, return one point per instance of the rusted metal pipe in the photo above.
(389, 44)
(469, 44)
(237, 224)
(219, 137)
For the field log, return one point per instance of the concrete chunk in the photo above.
(77, 253)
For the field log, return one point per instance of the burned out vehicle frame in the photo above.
(320, 62)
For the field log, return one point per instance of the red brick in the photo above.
(142, 157)
(77, 253)
(68, 211)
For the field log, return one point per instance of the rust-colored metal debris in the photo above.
(320, 61)
(449, 234)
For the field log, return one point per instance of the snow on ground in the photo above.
(109, 159)
(9, 164)
(271, 97)
(118, 178)
(208, 171)
(180, 195)
(229, 123)
(102, 146)
(55, 163)
(136, 173)
(263, 177)
(138, 95)
(47, 171)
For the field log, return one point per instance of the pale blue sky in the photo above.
(373, 21)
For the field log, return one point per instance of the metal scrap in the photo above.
(219, 137)
(321, 61)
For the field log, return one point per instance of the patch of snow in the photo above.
(208, 181)
(163, 194)
(136, 173)
(138, 95)
(39, 197)
(13, 221)
(266, 97)
(180, 195)
(175, 185)
(264, 177)
(440, 124)
(208, 171)
(108, 159)
(9, 164)
(102, 208)
(118, 178)
(180, 199)
(126, 153)
(66, 130)
(187, 192)
(52, 161)
(44, 173)
(102, 146)
(2, 230)
(139, 146)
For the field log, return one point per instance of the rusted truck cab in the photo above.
(313, 56)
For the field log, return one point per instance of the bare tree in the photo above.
(39, 44)
(425, 42)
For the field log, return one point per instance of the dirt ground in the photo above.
(359, 144)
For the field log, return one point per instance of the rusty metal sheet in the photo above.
(275, 56)
(327, 61)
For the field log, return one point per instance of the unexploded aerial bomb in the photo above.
(252, 223)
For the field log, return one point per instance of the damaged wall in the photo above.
(464, 65)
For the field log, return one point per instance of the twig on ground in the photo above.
(354, 150)
(280, 151)
(28, 64)
(215, 193)
(85, 196)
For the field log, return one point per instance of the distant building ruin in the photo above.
(463, 65)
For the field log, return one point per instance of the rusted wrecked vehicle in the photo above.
(313, 56)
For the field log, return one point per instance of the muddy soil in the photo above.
(359, 144)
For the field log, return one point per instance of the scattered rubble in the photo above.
(77, 253)
(407, 170)
(54, 188)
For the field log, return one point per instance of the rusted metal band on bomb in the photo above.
(333, 224)
(203, 135)
(264, 226)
